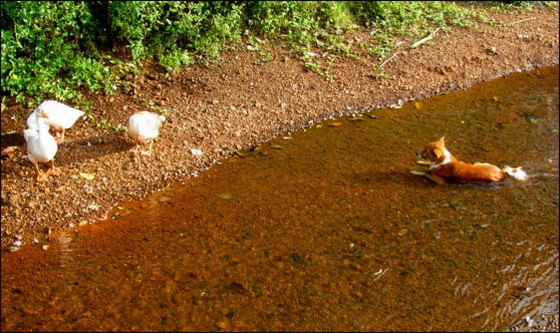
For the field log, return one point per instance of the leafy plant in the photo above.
(62, 49)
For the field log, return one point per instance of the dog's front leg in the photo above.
(436, 179)
(423, 162)
(417, 172)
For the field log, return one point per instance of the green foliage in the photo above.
(58, 49)
(298, 21)
(312, 25)
(104, 123)
(166, 29)
(62, 49)
(175, 59)
(47, 52)
(510, 4)
(39, 45)
(409, 18)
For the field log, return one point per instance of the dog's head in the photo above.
(434, 151)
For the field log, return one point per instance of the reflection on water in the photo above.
(531, 288)
(326, 231)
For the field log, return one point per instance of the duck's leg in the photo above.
(53, 170)
(149, 151)
(40, 176)
(150, 147)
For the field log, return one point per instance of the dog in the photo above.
(444, 167)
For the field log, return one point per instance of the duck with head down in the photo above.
(144, 127)
(58, 116)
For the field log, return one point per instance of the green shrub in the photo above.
(165, 29)
(61, 49)
(41, 44)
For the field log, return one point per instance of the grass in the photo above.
(61, 50)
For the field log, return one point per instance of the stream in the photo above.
(325, 229)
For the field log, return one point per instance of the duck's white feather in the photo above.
(144, 126)
(59, 116)
(41, 145)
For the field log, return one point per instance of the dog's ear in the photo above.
(435, 153)
(442, 140)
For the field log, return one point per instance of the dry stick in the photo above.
(430, 36)
(425, 39)
(520, 21)
(386, 61)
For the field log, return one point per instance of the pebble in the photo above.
(196, 152)
(12, 248)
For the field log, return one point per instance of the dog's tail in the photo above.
(516, 173)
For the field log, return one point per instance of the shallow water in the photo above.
(325, 230)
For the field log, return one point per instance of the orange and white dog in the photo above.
(444, 167)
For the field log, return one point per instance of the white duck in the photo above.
(41, 147)
(58, 117)
(144, 128)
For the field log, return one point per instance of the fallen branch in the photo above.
(386, 61)
(425, 39)
(520, 21)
